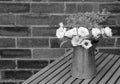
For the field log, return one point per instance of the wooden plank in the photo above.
(46, 68)
(118, 80)
(70, 80)
(86, 81)
(102, 64)
(78, 81)
(114, 77)
(98, 55)
(109, 73)
(103, 57)
(50, 76)
(58, 76)
(103, 71)
(66, 76)
(40, 77)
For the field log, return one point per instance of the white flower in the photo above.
(61, 31)
(86, 44)
(108, 31)
(76, 41)
(61, 24)
(96, 32)
(83, 31)
(70, 33)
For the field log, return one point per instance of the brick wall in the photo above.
(27, 33)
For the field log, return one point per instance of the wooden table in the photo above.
(58, 72)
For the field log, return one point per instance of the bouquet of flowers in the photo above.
(84, 29)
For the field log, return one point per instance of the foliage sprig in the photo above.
(87, 19)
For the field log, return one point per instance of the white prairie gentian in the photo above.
(61, 31)
(76, 41)
(83, 31)
(70, 33)
(86, 44)
(96, 32)
(108, 31)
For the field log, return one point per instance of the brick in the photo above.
(106, 42)
(7, 19)
(32, 20)
(100, 0)
(118, 42)
(15, 31)
(85, 7)
(33, 42)
(71, 8)
(113, 8)
(48, 8)
(14, 7)
(40, 0)
(112, 20)
(32, 64)
(115, 30)
(118, 20)
(75, 0)
(44, 31)
(16, 75)
(23, 0)
(48, 53)
(56, 19)
(110, 51)
(7, 64)
(15, 53)
(8, 82)
(58, 0)
(55, 43)
(5, 0)
(66, 0)
(7, 42)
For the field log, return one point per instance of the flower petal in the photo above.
(60, 32)
(76, 41)
(83, 32)
(70, 33)
(86, 44)
(96, 32)
(108, 31)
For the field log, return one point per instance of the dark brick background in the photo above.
(14, 8)
(15, 31)
(27, 33)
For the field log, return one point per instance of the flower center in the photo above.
(86, 43)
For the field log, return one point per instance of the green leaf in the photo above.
(66, 44)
